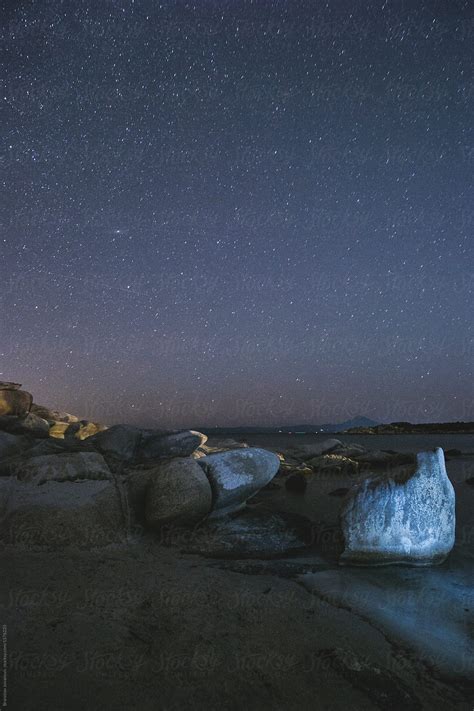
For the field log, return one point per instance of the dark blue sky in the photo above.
(239, 212)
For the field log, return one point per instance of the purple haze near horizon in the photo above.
(225, 213)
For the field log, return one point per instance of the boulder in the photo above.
(52, 415)
(145, 447)
(220, 446)
(64, 417)
(30, 424)
(81, 513)
(287, 470)
(66, 466)
(15, 402)
(236, 475)
(87, 429)
(119, 442)
(58, 429)
(309, 451)
(12, 445)
(43, 412)
(82, 429)
(178, 493)
(155, 444)
(404, 517)
(334, 464)
(9, 386)
(66, 430)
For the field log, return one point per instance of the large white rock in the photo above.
(178, 493)
(236, 475)
(405, 517)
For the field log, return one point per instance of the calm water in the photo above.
(399, 443)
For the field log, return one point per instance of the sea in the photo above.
(395, 442)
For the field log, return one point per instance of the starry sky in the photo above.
(238, 212)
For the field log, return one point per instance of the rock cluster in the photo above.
(65, 481)
(331, 457)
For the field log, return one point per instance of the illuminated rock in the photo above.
(406, 517)
(58, 429)
(15, 402)
(87, 429)
(236, 475)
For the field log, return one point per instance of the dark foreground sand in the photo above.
(147, 626)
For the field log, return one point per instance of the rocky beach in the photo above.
(236, 383)
(164, 569)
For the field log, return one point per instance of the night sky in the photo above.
(223, 213)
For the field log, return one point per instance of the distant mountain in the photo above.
(359, 421)
(410, 428)
(303, 429)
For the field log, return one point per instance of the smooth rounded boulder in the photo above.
(156, 444)
(145, 447)
(178, 493)
(236, 475)
(118, 441)
(15, 402)
(402, 518)
(30, 424)
(309, 451)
